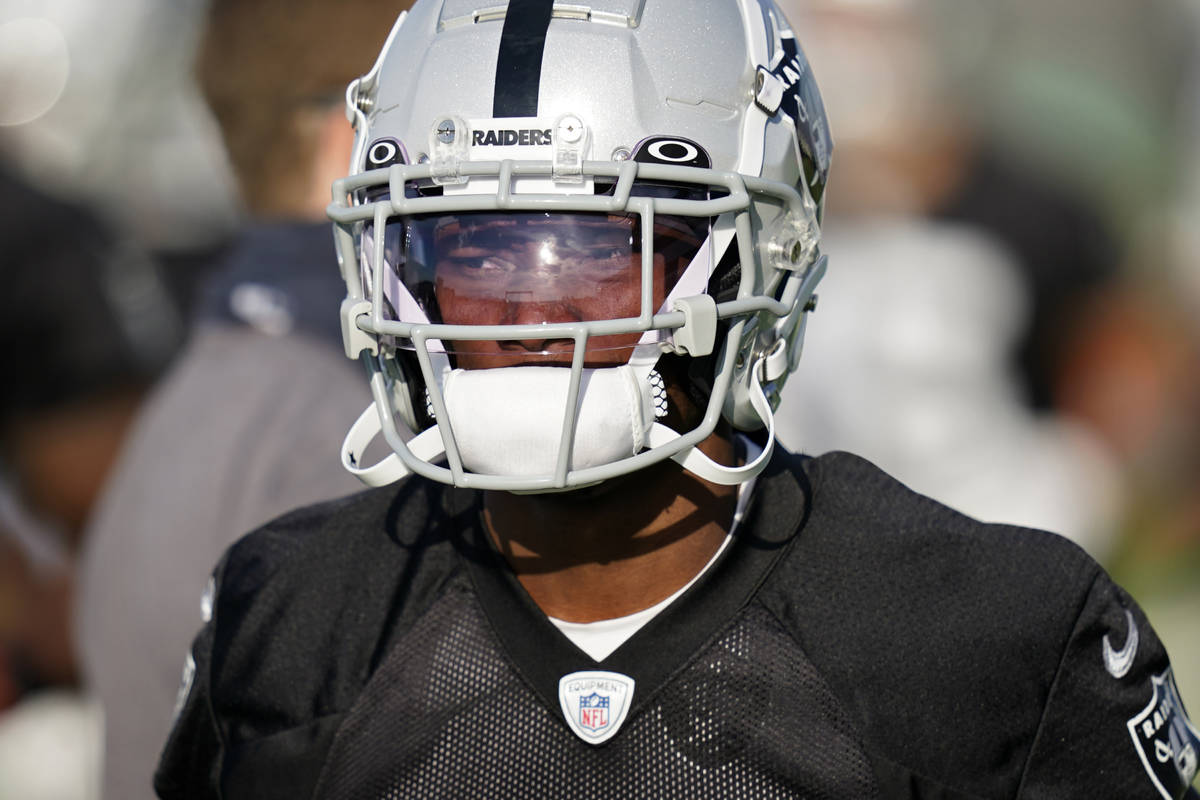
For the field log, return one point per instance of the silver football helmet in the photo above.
(562, 218)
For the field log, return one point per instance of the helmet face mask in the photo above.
(509, 249)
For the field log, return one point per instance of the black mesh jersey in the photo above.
(856, 640)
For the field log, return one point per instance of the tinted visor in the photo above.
(530, 268)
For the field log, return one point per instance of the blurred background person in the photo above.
(87, 324)
(225, 442)
(1002, 177)
(211, 451)
(970, 266)
(1140, 380)
(98, 104)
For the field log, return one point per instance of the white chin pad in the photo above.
(509, 421)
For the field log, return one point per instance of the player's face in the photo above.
(534, 268)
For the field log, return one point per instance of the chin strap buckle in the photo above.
(701, 465)
(775, 363)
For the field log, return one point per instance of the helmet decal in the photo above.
(385, 152)
(508, 137)
(672, 150)
(519, 64)
(802, 104)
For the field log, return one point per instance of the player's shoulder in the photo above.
(914, 612)
(381, 523)
(356, 571)
(891, 553)
(334, 552)
(271, 546)
(859, 510)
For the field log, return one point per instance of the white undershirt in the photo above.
(599, 639)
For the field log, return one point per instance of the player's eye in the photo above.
(478, 262)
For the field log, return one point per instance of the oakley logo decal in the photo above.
(671, 150)
(384, 153)
(677, 151)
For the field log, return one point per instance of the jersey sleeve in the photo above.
(189, 768)
(1114, 724)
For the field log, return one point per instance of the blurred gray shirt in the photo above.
(246, 427)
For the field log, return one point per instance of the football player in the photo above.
(579, 244)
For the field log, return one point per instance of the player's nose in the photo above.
(521, 309)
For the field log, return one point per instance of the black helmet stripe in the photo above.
(519, 66)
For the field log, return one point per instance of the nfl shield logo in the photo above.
(593, 712)
(595, 703)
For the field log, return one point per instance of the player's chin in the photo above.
(603, 491)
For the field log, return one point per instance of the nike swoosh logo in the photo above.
(1118, 662)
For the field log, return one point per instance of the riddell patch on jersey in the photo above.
(1166, 740)
(595, 703)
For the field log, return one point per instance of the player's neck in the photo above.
(615, 549)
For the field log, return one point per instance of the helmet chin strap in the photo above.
(704, 467)
(428, 445)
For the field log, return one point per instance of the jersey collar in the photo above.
(542, 655)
